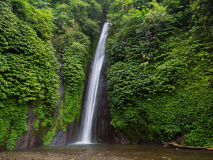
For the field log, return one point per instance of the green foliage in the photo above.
(28, 74)
(29, 64)
(76, 14)
(90, 28)
(12, 113)
(72, 105)
(49, 136)
(94, 10)
(73, 47)
(141, 14)
(79, 10)
(58, 122)
(41, 4)
(63, 15)
(160, 71)
(36, 125)
(157, 13)
(202, 19)
(39, 19)
(74, 56)
(77, 23)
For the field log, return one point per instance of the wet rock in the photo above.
(29, 139)
(103, 132)
(63, 138)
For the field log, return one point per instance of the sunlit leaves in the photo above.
(28, 70)
(39, 19)
(170, 63)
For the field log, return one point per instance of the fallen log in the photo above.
(210, 148)
(175, 145)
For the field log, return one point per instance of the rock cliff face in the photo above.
(103, 132)
(28, 139)
(63, 138)
(34, 138)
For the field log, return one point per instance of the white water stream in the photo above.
(89, 106)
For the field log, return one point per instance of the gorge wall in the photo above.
(37, 99)
(102, 131)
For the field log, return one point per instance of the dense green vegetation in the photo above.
(40, 40)
(160, 75)
(28, 69)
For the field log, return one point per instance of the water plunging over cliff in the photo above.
(89, 106)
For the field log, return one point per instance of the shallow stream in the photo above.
(143, 152)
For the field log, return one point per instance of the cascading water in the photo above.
(86, 128)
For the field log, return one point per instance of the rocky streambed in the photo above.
(56, 156)
(106, 152)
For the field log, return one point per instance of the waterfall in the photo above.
(89, 106)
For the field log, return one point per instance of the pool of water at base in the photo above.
(148, 152)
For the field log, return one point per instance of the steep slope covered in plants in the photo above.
(32, 71)
(28, 71)
(160, 84)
